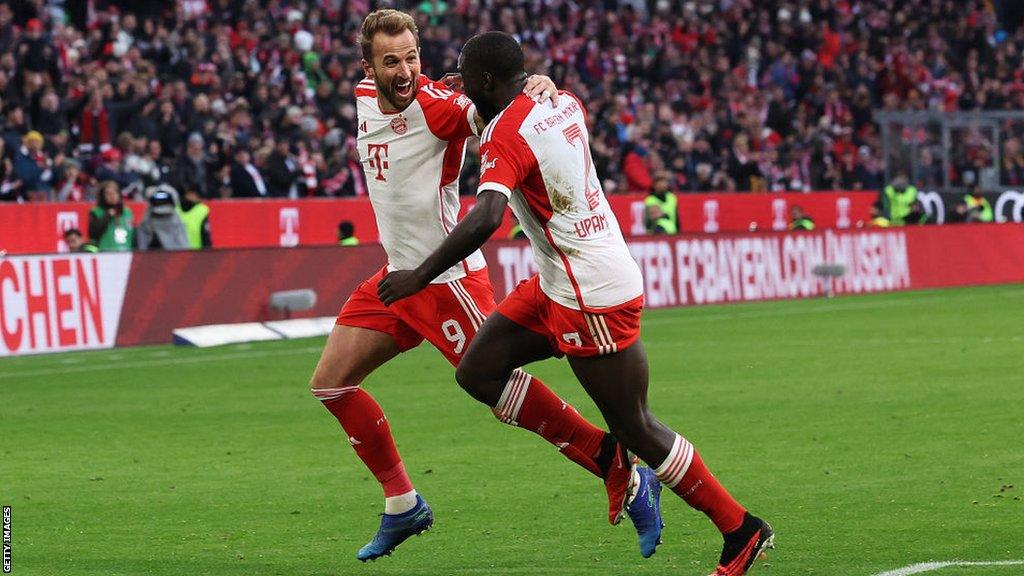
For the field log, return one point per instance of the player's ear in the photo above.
(367, 69)
(488, 81)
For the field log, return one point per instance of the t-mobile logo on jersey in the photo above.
(378, 159)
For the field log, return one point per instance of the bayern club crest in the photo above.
(399, 125)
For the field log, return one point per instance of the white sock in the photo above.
(401, 503)
(635, 482)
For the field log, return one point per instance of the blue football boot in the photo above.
(645, 511)
(397, 528)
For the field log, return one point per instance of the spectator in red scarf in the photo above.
(94, 126)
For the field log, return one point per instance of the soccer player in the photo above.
(586, 301)
(411, 138)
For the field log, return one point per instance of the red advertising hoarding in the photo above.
(72, 302)
(175, 289)
(38, 228)
(713, 269)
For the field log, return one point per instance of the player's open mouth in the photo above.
(403, 88)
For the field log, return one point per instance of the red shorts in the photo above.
(446, 315)
(573, 332)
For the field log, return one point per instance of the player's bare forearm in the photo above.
(467, 237)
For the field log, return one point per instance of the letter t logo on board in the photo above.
(65, 222)
(289, 221)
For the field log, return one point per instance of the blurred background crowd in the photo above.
(239, 98)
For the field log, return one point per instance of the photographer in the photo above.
(161, 228)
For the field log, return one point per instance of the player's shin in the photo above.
(369, 434)
(684, 473)
(528, 403)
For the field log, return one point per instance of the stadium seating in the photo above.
(733, 95)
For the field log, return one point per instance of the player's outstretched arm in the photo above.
(537, 86)
(469, 235)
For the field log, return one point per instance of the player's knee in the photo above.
(466, 377)
(327, 386)
(322, 380)
(472, 381)
(319, 381)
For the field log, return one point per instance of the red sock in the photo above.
(528, 403)
(369, 434)
(684, 472)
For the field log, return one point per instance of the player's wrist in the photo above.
(421, 278)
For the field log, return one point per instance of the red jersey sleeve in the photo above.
(449, 114)
(505, 163)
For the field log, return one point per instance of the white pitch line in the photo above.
(930, 566)
(161, 362)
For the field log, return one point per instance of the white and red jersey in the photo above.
(412, 161)
(539, 157)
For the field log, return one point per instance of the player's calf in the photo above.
(642, 434)
(369, 433)
(529, 403)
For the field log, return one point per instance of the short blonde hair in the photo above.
(387, 21)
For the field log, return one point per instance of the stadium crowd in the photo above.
(231, 98)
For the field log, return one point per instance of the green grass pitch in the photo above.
(873, 432)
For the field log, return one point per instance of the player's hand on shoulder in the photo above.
(542, 88)
(399, 284)
(453, 80)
